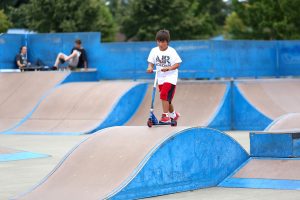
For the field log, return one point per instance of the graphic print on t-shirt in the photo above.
(163, 62)
(162, 59)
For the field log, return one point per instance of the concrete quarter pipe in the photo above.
(197, 102)
(75, 108)
(20, 92)
(258, 102)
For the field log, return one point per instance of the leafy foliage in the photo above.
(4, 22)
(265, 19)
(186, 19)
(67, 16)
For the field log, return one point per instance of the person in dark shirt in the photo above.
(77, 58)
(21, 58)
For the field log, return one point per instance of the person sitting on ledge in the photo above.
(77, 58)
(21, 58)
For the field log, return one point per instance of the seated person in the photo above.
(21, 58)
(77, 58)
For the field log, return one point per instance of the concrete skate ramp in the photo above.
(272, 173)
(8, 154)
(20, 92)
(272, 97)
(75, 108)
(197, 102)
(134, 162)
(259, 102)
(289, 122)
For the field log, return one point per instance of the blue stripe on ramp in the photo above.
(261, 183)
(20, 156)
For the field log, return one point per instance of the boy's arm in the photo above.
(173, 67)
(150, 67)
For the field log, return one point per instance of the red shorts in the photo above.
(167, 91)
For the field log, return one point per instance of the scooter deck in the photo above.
(150, 123)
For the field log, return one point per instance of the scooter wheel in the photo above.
(173, 123)
(149, 123)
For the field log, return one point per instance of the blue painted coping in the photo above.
(121, 112)
(281, 184)
(193, 158)
(20, 156)
(245, 115)
(84, 76)
(222, 117)
(281, 145)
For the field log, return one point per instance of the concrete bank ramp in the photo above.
(132, 162)
(20, 93)
(260, 101)
(77, 108)
(200, 103)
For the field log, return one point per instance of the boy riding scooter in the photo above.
(166, 60)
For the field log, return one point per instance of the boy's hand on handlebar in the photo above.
(165, 69)
(149, 70)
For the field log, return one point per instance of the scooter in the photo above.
(152, 120)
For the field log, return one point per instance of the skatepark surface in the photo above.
(91, 170)
(20, 92)
(272, 97)
(75, 108)
(203, 100)
(18, 176)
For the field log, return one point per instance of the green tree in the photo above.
(4, 22)
(186, 19)
(68, 16)
(267, 19)
(234, 27)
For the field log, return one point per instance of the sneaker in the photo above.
(164, 118)
(177, 116)
(54, 68)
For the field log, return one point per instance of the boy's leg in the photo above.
(167, 91)
(171, 108)
(166, 106)
(59, 57)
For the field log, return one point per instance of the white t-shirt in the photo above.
(162, 59)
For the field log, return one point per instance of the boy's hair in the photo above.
(163, 35)
(78, 41)
(21, 48)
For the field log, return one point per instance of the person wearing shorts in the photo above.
(77, 58)
(167, 61)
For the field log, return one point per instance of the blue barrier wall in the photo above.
(128, 60)
(201, 59)
(288, 58)
(46, 46)
(9, 47)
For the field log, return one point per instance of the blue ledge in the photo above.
(279, 145)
